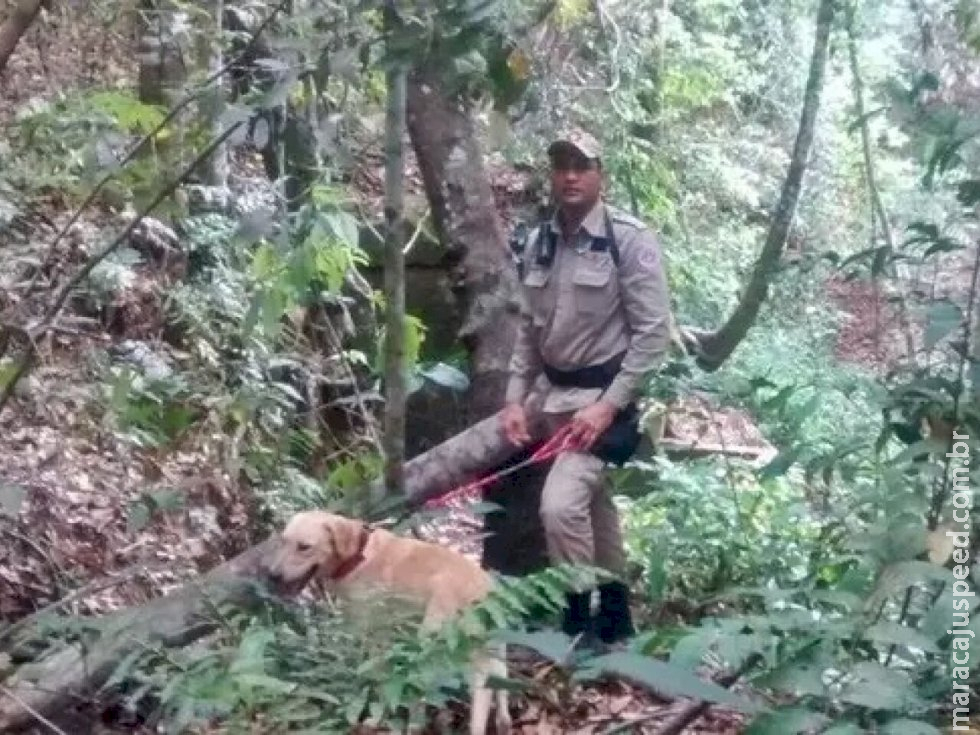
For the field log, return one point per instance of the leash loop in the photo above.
(561, 441)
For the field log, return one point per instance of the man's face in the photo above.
(576, 181)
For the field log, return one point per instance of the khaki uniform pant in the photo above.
(581, 522)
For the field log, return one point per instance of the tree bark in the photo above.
(54, 682)
(714, 348)
(466, 222)
(15, 26)
(394, 348)
(212, 104)
(53, 685)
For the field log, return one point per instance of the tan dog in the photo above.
(347, 556)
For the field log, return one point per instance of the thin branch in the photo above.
(34, 713)
(62, 298)
(683, 719)
(418, 231)
(612, 49)
(145, 140)
(877, 207)
(16, 535)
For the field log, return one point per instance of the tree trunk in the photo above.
(394, 348)
(163, 72)
(15, 26)
(210, 60)
(466, 221)
(55, 682)
(716, 347)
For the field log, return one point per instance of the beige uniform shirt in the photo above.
(583, 310)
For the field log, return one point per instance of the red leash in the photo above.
(560, 441)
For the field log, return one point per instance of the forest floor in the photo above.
(74, 497)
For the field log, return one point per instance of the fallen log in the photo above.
(55, 683)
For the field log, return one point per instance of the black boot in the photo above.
(614, 623)
(577, 616)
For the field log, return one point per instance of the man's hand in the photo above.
(589, 422)
(514, 421)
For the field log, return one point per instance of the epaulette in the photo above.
(623, 218)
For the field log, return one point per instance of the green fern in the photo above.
(129, 113)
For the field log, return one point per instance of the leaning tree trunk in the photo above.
(466, 221)
(714, 348)
(15, 26)
(63, 677)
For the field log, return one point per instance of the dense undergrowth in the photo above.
(824, 575)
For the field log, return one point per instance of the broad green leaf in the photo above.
(166, 500)
(657, 577)
(121, 673)
(896, 578)
(266, 263)
(943, 245)
(846, 600)
(447, 376)
(137, 516)
(552, 645)
(790, 721)
(263, 681)
(891, 633)
(735, 649)
(8, 368)
(866, 254)
(780, 463)
(355, 708)
(344, 228)
(943, 317)
(926, 232)
(663, 678)
(968, 192)
(846, 728)
(923, 446)
(11, 499)
(250, 656)
(392, 691)
(690, 650)
(878, 688)
(909, 727)
(512, 600)
(800, 676)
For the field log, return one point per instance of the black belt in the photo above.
(617, 443)
(592, 376)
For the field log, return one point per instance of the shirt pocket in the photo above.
(538, 294)
(593, 291)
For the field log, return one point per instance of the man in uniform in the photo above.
(594, 319)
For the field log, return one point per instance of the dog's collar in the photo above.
(349, 565)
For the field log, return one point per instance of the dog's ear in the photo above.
(346, 534)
